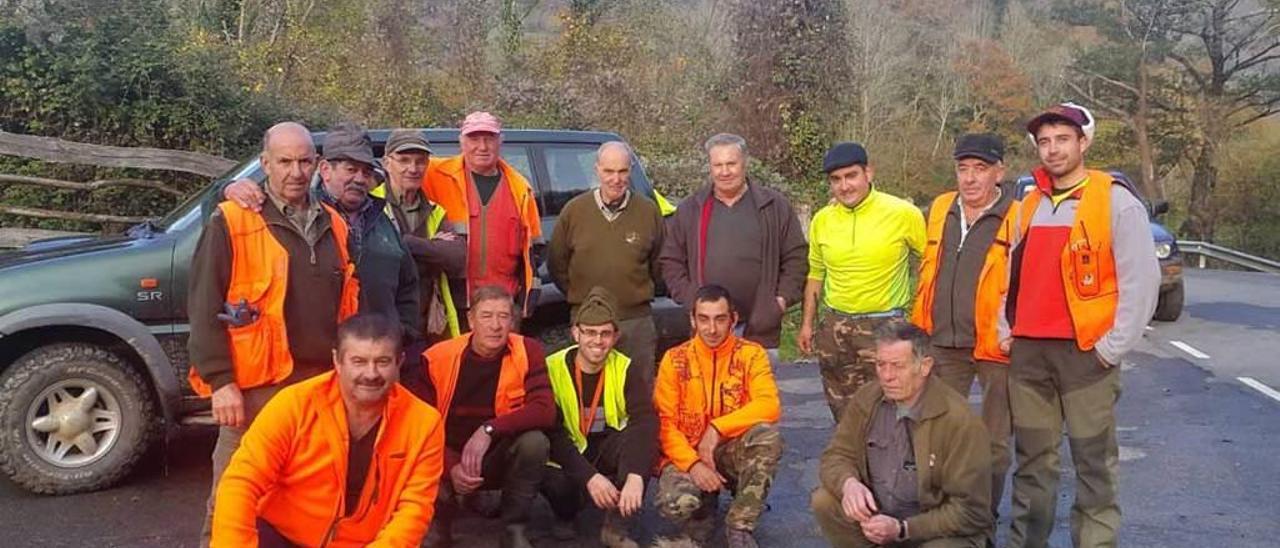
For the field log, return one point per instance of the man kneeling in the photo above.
(909, 463)
(607, 443)
(346, 458)
(717, 407)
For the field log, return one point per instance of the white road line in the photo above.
(1190, 350)
(1256, 385)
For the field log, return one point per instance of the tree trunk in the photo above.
(1201, 215)
(1141, 121)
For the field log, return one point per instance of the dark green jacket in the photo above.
(387, 272)
(953, 460)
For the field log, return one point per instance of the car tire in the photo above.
(1169, 307)
(74, 417)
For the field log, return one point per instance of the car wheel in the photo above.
(73, 418)
(1169, 307)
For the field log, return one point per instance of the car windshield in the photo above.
(189, 209)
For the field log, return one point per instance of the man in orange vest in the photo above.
(498, 207)
(280, 488)
(963, 278)
(718, 410)
(266, 291)
(491, 386)
(1084, 284)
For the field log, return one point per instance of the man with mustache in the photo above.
(1084, 281)
(860, 246)
(606, 446)
(908, 464)
(491, 386)
(387, 271)
(346, 458)
(266, 292)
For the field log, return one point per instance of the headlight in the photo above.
(1163, 250)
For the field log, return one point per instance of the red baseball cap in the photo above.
(481, 122)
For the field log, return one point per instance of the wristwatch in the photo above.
(902, 530)
(488, 429)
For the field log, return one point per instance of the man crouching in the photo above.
(909, 463)
(348, 457)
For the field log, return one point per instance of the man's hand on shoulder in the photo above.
(246, 194)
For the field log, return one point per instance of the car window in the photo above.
(570, 171)
(516, 155)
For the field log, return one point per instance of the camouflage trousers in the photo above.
(1052, 382)
(846, 356)
(747, 462)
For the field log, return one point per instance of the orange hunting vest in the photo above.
(993, 282)
(1088, 264)
(260, 275)
(444, 360)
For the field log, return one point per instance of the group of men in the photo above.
(359, 404)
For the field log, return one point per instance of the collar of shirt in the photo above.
(900, 411)
(300, 217)
(964, 221)
(1059, 196)
(626, 199)
(868, 202)
(397, 199)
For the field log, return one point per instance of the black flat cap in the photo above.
(987, 147)
(348, 142)
(844, 155)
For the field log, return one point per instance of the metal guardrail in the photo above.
(1235, 257)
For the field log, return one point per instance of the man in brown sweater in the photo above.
(742, 236)
(238, 383)
(909, 464)
(491, 387)
(610, 237)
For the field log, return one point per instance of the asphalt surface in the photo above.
(1198, 450)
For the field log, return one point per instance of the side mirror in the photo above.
(1159, 207)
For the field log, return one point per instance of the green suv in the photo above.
(93, 329)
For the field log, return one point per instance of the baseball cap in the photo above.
(401, 140)
(477, 122)
(348, 142)
(844, 155)
(1070, 113)
(987, 147)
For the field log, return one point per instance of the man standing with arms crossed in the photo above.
(267, 291)
(859, 246)
(963, 278)
(610, 238)
(1084, 284)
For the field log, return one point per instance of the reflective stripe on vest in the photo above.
(260, 275)
(1088, 264)
(993, 281)
(444, 361)
(566, 394)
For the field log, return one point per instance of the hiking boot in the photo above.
(614, 532)
(515, 537)
(564, 530)
(739, 538)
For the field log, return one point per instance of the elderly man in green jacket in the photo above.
(909, 464)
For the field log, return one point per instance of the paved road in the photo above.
(1198, 463)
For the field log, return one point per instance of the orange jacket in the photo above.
(445, 183)
(260, 275)
(993, 281)
(444, 360)
(730, 387)
(291, 471)
(1088, 264)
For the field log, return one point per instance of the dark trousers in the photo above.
(639, 342)
(566, 496)
(1052, 382)
(513, 465)
(957, 368)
